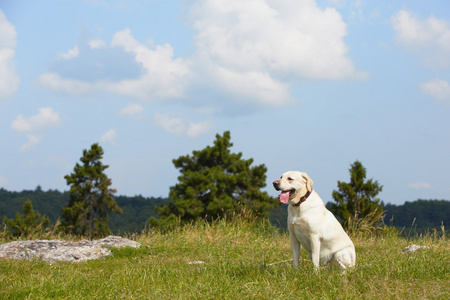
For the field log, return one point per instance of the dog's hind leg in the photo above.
(345, 258)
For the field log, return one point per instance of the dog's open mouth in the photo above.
(284, 196)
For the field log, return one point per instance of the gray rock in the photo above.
(59, 250)
(196, 262)
(413, 248)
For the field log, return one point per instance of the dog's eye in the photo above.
(290, 178)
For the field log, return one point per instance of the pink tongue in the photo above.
(284, 197)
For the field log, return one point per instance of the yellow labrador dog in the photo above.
(313, 226)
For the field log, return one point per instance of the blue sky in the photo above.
(301, 85)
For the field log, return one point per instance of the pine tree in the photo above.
(27, 223)
(356, 201)
(90, 196)
(213, 183)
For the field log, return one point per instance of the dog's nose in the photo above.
(276, 183)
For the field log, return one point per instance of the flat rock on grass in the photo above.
(414, 248)
(60, 250)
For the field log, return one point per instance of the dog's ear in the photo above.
(309, 181)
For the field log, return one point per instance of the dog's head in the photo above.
(293, 186)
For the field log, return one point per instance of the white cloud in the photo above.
(197, 129)
(7, 32)
(46, 118)
(71, 87)
(109, 137)
(9, 80)
(164, 76)
(253, 86)
(33, 141)
(132, 110)
(290, 37)
(34, 126)
(437, 89)
(72, 53)
(431, 35)
(97, 44)
(420, 185)
(265, 41)
(413, 32)
(181, 127)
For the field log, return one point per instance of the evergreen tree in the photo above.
(213, 183)
(27, 223)
(355, 201)
(90, 196)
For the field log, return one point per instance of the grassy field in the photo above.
(240, 261)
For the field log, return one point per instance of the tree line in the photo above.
(421, 215)
(136, 209)
(213, 183)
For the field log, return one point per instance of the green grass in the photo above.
(241, 261)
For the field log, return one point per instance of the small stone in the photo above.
(413, 248)
(196, 262)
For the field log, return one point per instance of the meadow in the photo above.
(236, 259)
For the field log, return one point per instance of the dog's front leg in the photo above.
(315, 251)
(295, 246)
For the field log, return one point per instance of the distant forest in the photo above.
(136, 210)
(420, 215)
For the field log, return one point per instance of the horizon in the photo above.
(167, 197)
